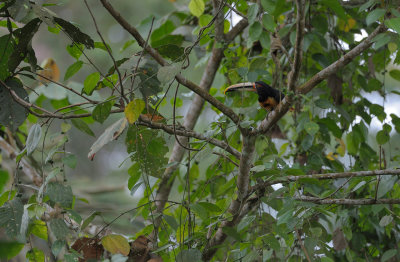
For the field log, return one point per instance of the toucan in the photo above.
(268, 97)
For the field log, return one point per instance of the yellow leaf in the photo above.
(133, 110)
(116, 244)
(331, 156)
(50, 71)
(347, 25)
(341, 150)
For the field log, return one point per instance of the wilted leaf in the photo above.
(133, 110)
(33, 139)
(90, 248)
(339, 240)
(116, 244)
(110, 134)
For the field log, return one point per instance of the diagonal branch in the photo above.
(189, 133)
(274, 116)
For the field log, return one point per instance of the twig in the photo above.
(302, 246)
(226, 157)
(342, 201)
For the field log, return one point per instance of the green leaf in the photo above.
(323, 103)
(230, 231)
(199, 210)
(128, 44)
(82, 126)
(336, 7)
(102, 111)
(7, 47)
(35, 255)
(394, 24)
(167, 73)
(352, 146)
(11, 217)
(34, 135)
(395, 73)
(386, 185)
(4, 177)
(59, 228)
(89, 219)
(196, 7)
(133, 110)
(210, 206)
(374, 16)
(70, 160)
(12, 114)
(171, 222)
(268, 22)
(165, 29)
(388, 254)
(255, 31)
(39, 229)
(366, 5)
(102, 46)
(171, 51)
(75, 50)
(311, 128)
(135, 188)
(189, 255)
(59, 193)
(57, 246)
(9, 250)
(306, 143)
(252, 13)
(90, 83)
(73, 69)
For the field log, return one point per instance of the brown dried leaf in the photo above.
(89, 248)
(339, 240)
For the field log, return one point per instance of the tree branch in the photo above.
(189, 133)
(286, 179)
(284, 106)
(342, 201)
(244, 166)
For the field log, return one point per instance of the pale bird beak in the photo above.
(248, 86)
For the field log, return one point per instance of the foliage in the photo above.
(312, 185)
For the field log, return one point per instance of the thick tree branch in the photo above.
(340, 201)
(286, 179)
(245, 164)
(189, 133)
(154, 53)
(274, 116)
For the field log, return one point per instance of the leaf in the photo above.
(89, 219)
(110, 134)
(39, 229)
(196, 7)
(57, 246)
(167, 73)
(199, 210)
(24, 45)
(252, 13)
(255, 31)
(116, 244)
(311, 128)
(90, 83)
(59, 228)
(135, 188)
(210, 206)
(307, 142)
(12, 114)
(394, 24)
(73, 69)
(339, 240)
(82, 126)
(230, 231)
(11, 217)
(35, 255)
(386, 184)
(382, 137)
(59, 193)
(268, 22)
(386, 220)
(374, 16)
(102, 111)
(388, 254)
(189, 255)
(171, 221)
(336, 7)
(133, 109)
(171, 51)
(9, 250)
(34, 135)
(75, 50)
(395, 73)
(74, 32)
(7, 46)
(70, 160)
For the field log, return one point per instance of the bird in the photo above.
(268, 97)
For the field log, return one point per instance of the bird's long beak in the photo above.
(248, 86)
